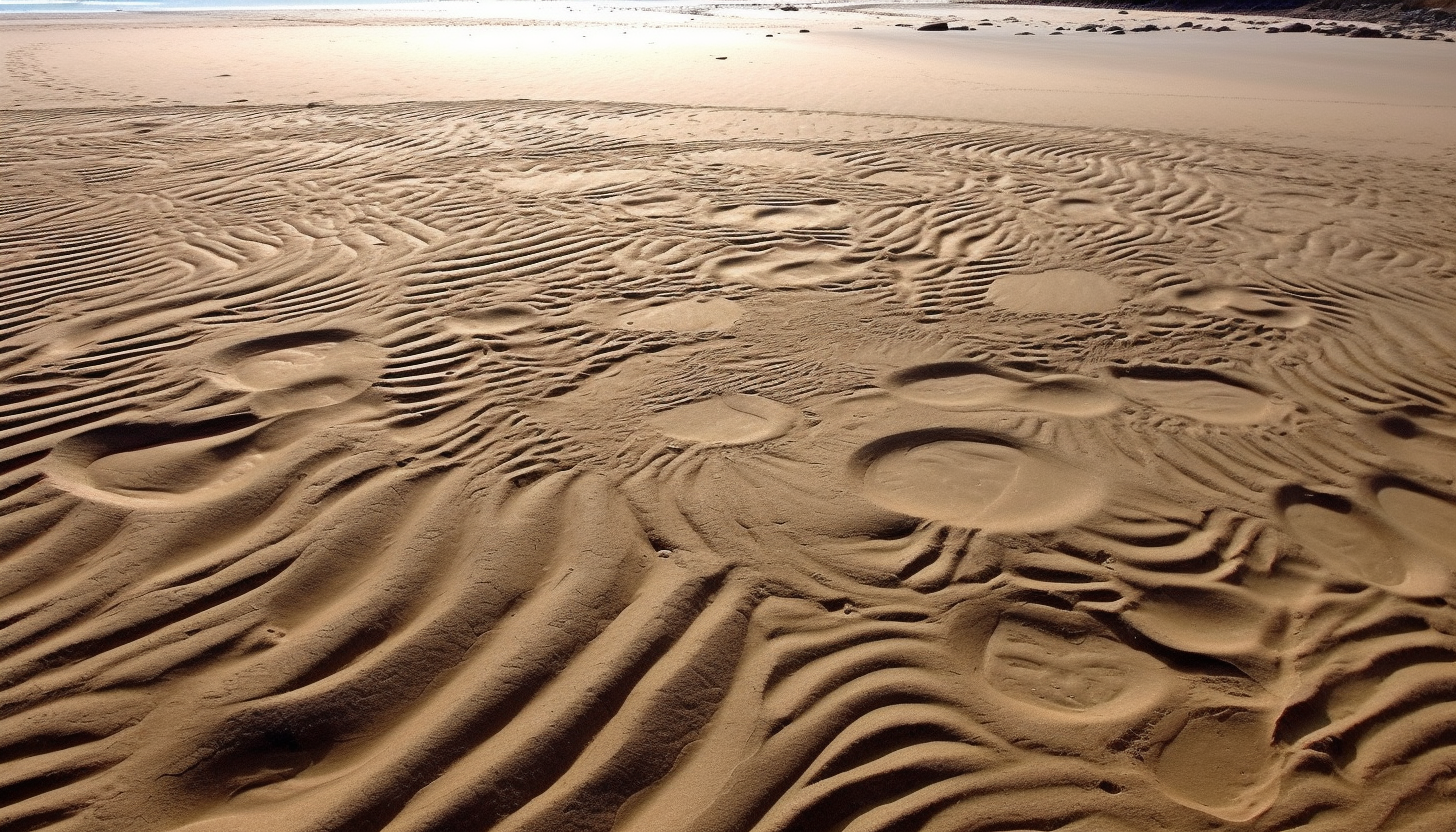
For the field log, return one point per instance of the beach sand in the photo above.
(866, 430)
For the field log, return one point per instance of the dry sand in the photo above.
(567, 465)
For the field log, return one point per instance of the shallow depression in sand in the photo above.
(1058, 291)
(1062, 673)
(1345, 540)
(1207, 400)
(954, 385)
(497, 320)
(693, 315)
(729, 419)
(970, 482)
(783, 217)
(788, 266)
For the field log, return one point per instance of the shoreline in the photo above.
(1243, 85)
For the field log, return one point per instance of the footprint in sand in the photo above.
(1082, 207)
(501, 319)
(797, 161)
(159, 462)
(693, 315)
(788, 266)
(300, 370)
(821, 214)
(658, 203)
(1058, 292)
(1080, 674)
(918, 183)
(729, 419)
(1343, 537)
(1403, 538)
(1235, 302)
(1421, 516)
(975, 482)
(565, 181)
(959, 385)
(1221, 760)
(1418, 436)
(1209, 400)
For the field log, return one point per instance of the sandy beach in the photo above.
(544, 416)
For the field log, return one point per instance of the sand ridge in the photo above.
(391, 467)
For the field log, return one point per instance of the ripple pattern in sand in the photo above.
(528, 466)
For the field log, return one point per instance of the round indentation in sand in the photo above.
(795, 160)
(693, 315)
(729, 419)
(1220, 759)
(976, 482)
(827, 214)
(1342, 537)
(952, 384)
(658, 203)
(1058, 291)
(1082, 207)
(920, 183)
(557, 181)
(1070, 673)
(168, 463)
(1241, 303)
(296, 366)
(788, 266)
(500, 319)
(1421, 516)
(957, 385)
(1206, 400)
(298, 371)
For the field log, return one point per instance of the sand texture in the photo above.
(548, 466)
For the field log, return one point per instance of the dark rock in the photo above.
(1223, 29)
(1087, 27)
(960, 28)
(1295, 27)
(1187, 24)
(1148, 28)
(1365, 32)
(937, 26)
(1025, 33)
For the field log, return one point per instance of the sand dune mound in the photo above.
(519, 466)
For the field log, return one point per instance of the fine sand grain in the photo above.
(548, 465)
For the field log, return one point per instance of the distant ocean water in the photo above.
(95, 6)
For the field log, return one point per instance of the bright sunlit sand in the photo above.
(725, 417)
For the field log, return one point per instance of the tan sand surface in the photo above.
(537, 465)
(1309, 91)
